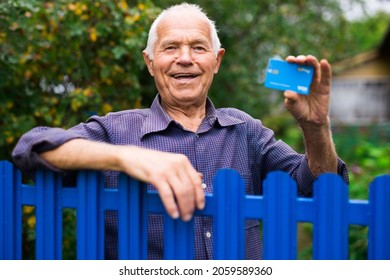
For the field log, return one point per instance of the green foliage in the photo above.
(69, 233)
(28, 232)
(61, 61)
(365, 34)
(371, 161)
(366, 149)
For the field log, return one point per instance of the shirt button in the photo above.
(204, 185)
(208, 234)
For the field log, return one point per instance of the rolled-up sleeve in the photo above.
(40, 139)
(306, 179)
(272, 155)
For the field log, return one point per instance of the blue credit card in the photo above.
(283, 75)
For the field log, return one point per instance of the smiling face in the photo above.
(184, 63)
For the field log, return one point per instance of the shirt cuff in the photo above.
(306, 179)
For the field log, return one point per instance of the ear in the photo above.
(148, 62)
(220, 54)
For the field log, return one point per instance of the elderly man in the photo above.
(179, 143)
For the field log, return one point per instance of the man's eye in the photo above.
(199, 48)
(170, 48)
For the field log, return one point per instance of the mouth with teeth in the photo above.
(184, 76)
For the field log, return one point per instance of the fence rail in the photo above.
(329, 210)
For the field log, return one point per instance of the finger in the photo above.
(291, 95)
(290, 98)
(317, 71)
(168, 199)
(185, 195)
(192, 179)
(200, 200)
(300, 59)
(290, 58)
(326, 73)
(303, 59)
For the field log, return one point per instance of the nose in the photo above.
(185, 56)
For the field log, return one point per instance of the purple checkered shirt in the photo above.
(226, 138)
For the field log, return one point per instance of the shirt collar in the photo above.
(159, 120)
(156, 120)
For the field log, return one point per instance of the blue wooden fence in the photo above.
(330, 211)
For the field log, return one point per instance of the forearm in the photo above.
(83, 154)
(320, 150)
(172, 174)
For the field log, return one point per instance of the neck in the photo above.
(190, 117)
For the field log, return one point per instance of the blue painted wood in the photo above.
(10, 213)
(358, 212)
(330, 211)
(330, 237)
(178, 239)
(379, 226)
(132, 214)
(90, 217)
(280, 222)
(228, 221)
(48, 216)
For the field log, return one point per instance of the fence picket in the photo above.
(228, 220)
(178, 239)
(48, 216)
(10, 213)
(280, 222)
(330, 211)
(379, 225)
(330, 237)
(89, 216)
(132, 216)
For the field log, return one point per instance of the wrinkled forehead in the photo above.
(180, 22)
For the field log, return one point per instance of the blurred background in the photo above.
(62, 61)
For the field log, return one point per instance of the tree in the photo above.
(61, 61)
(368, 33)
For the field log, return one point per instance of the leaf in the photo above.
(118, 52)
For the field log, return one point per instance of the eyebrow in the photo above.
(168, 42)
(176, 42)
(200, 41)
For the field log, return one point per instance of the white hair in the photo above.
(152, 38)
